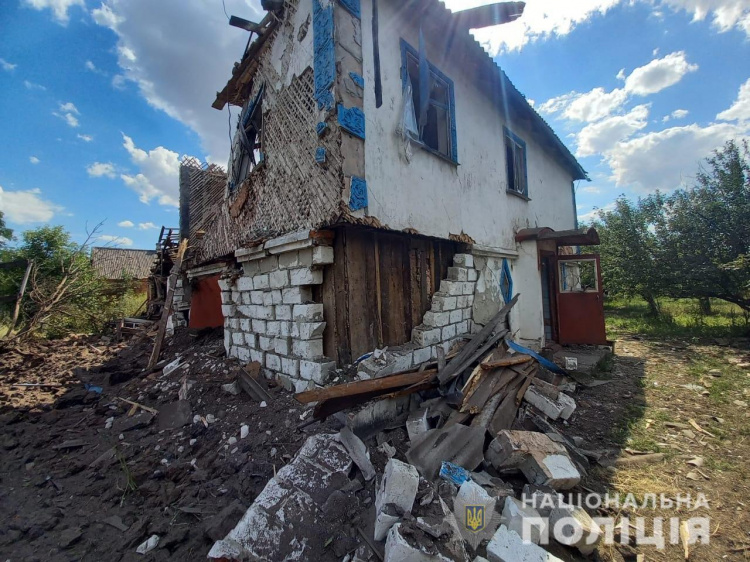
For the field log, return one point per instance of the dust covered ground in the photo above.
(80, 479)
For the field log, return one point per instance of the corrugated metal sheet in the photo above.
(119, 263)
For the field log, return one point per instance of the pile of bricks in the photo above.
(270, 316)
(450, 315)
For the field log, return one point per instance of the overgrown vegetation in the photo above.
(64, 294)
(693, 243)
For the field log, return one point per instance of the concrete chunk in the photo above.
(508, 546)
(574, 527)
(397, 549)
(524, 520)
(398, 488)
(510, 448)
(563, 407)
(556, 471)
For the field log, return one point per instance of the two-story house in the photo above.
(387, 186)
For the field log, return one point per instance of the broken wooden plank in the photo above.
(506, 411)
(167, 310)
(357, 388)
(524, 387)
(141, 406)
(507, 361)
(492, 383)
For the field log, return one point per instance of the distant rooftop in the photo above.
(120, 263)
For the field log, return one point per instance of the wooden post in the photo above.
(171, 283)
(19, 298)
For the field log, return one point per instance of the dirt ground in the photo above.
(80, 479)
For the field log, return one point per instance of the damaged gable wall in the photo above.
(299, 183)
(430, 194)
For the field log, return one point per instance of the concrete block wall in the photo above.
(181, 303)
(270, 316)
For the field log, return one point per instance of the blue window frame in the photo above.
(506, 282)
(434, 103)
(515, 163)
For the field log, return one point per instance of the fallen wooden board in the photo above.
(491, 383)
(350, 389)
(141, 406)
(248, 380)
(507, 361)
(506, 411)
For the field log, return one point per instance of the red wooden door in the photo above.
(580, 300)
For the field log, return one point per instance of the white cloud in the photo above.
(85, 138)
(34, 160)
(68, 113)
(589, 106)
(663, 159)
(25, 207)
(599, 137)
(146, 226)
(112, 240)
(591, 189)
(7, 66)
(659, 74)
(740, 110)
(165, 72)
(159, 173)
(726, 14)
(126, 224)
(59, 7)
(99, 169)
(69, 107)
(33, 86)
(594, 213)
(676, 114)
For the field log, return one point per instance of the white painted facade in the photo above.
(438, 198)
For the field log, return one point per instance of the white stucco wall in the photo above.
(431, 195)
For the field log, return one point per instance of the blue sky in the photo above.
(102, 100)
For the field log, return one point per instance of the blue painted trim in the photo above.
(324, 59)
(353, 7)
(321, 128)
(408, 49)
(505, 276)
(320, 155)
(357, 79)
(518, 140)
(352, 120)
(357, 194)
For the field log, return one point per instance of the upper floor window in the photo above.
(246, 153)
(515, 162)
(430, 115)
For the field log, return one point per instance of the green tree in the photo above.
(706, 230)
(630, 250)
(6, 234)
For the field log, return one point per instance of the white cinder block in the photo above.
(451, 288)
(458, 274)
(308, 312)
(259, 326)
(398, 549)
(283, 312)
(256, 297)
(279, 279)
(261, 312)
(467, 288)
(289, 365)
(246, 297)
(443, 303)
(227, 341)
(288, 260)
(261, 282)
(575, 523)
(273, 328)
(226, 297)
(245, 324)
(282, 346)
(456, 316)
(508, 546)
(265, 343)
(296, 295)
(422, 355)
(462, 327)
(305, 276)
(424, 336)
(236, 297)
(258, 356)
(307, 349)
(244, 283)
(267, 298)
(317, 371)
(472, 275)
(238, 338)
(449, 332)
(467, 313)
(243, 353)
(322, 255)
(234, 323)
(224, 284)
(463, 260)
(309, 330)
(276, 296)
(436, 319)
(517, 515)
(273, 362)
(399, 487)
(285, 328)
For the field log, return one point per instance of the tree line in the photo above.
(692, 243)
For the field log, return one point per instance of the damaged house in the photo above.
(387, 186)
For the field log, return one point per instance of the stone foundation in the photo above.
(269, 313)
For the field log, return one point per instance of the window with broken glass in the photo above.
(515, 161)
(429, 112)
(247, 150)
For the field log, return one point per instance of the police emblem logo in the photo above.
(475, 518)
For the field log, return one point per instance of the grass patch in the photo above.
(679, 318)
